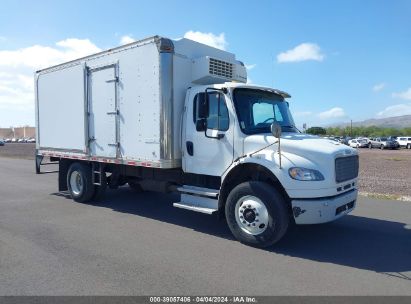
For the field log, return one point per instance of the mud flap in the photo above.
(38, 160)
(63, 170)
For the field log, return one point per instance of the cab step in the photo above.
(197, 203)
(198, 191)
(194, 208)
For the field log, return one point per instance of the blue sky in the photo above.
(339, 60)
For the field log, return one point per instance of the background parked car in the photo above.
(358, 143)
(345, 140)
(383, 143)
(1, 142)
(404, 141)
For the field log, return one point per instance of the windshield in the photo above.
(258, 109)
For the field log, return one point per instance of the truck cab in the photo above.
(227, 132)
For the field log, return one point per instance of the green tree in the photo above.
(316, 131)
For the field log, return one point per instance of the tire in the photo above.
(382, 147)
(79, 182)
(369, 146)
(275, 214)
(409, 146)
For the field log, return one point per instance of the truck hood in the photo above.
(301, 150)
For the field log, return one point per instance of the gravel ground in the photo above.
(381, 171)
(385, 171)
(21, 150)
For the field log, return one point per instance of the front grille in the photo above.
(346, 168)
(221, 68)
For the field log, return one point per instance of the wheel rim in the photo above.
(76, 183)
(251, 215)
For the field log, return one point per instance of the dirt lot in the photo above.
(21, 150)
(385, 171)
(381, 171)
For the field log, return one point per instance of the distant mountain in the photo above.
(388, 122)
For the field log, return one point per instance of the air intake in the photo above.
(208, 70)
(221, 68)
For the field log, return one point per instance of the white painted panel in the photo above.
(193, 49)
(139, 102)
(102, 99)
(181, 80)
(61, 104)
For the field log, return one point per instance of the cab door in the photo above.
(208, 152)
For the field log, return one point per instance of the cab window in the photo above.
(216, 104)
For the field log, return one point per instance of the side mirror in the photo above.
(216, 134)
(201, 124)
(276, 129)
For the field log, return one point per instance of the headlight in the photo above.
(304, 174)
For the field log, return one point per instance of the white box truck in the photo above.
(177, 115)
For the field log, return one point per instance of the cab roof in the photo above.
(256, 87)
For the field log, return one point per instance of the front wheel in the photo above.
(256, 214)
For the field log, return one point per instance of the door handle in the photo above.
(190, 148)
(113, 113)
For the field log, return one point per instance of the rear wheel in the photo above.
(79, 182)
(256, 214)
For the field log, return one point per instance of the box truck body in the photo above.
(125, 104)
(177, 115)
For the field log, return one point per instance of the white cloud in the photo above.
(378, 87)
(250, 66)
(302, 52)
(126, 40)
(403, 95)
(17, 67)
(217, 41)
(332, 113)
(38, 56)
(396, 110)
